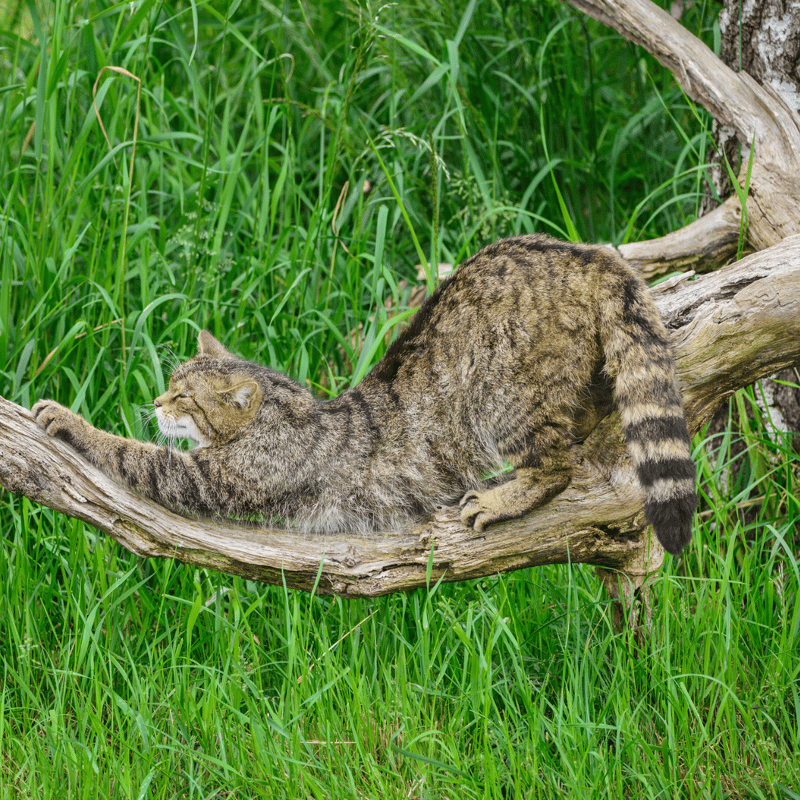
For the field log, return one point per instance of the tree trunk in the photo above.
(762, 39)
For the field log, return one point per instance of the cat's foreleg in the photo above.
(114, 455)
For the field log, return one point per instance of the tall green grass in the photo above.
(246, 212)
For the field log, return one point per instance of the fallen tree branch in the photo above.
(50, 473)
(729, 329)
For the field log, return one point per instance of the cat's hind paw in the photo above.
(475, 513)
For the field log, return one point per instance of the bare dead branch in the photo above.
(702, 246)
(729, 329)
(757, 113)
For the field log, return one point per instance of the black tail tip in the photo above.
(672, 522)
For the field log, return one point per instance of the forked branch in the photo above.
(757, 113)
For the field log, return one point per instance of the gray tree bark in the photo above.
(761, 38)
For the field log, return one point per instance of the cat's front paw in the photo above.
(57, 420)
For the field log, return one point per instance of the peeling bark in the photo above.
(762, 38)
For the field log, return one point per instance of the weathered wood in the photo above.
(729, 328)
(702, 246)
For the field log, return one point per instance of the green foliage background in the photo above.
(274, 173)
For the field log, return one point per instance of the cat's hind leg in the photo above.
(542, 472)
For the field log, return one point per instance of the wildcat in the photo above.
(515, 357)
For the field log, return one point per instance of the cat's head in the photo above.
(211, 399)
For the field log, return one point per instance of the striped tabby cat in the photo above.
(514, 358)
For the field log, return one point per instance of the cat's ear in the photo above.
(244, 394)
(237, 389)
(209, 346)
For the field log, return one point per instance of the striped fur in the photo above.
(639, 358)
(514, 358)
